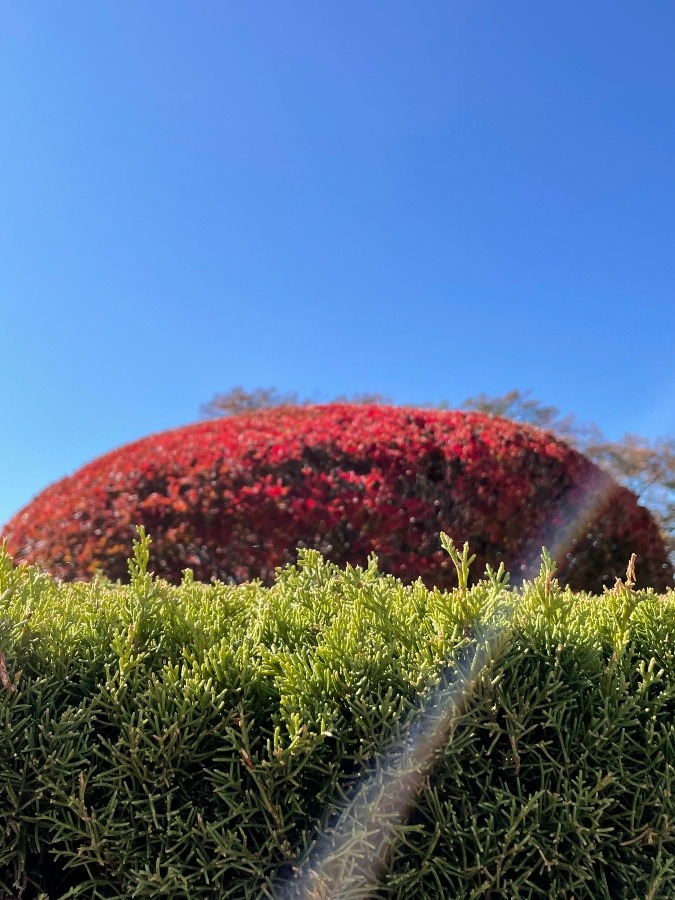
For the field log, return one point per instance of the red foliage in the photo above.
(232, 499)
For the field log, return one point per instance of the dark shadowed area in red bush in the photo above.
(233, 498)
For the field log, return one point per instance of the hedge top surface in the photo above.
(206, 740)
(233, 498)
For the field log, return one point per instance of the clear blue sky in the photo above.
(428, 201)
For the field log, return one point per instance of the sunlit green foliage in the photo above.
(202, 740)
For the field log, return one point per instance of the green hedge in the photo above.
(336, 735)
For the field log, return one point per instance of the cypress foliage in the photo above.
(239, 741)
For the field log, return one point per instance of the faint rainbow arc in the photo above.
(347, 863)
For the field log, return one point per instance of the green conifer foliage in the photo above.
(339, 732)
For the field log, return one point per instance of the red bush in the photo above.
(232, 499)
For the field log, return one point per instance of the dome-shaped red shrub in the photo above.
(233, 498)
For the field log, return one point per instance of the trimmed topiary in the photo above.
(233, 498)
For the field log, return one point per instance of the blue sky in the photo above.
(425, 201)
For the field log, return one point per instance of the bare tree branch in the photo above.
(647, 468)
